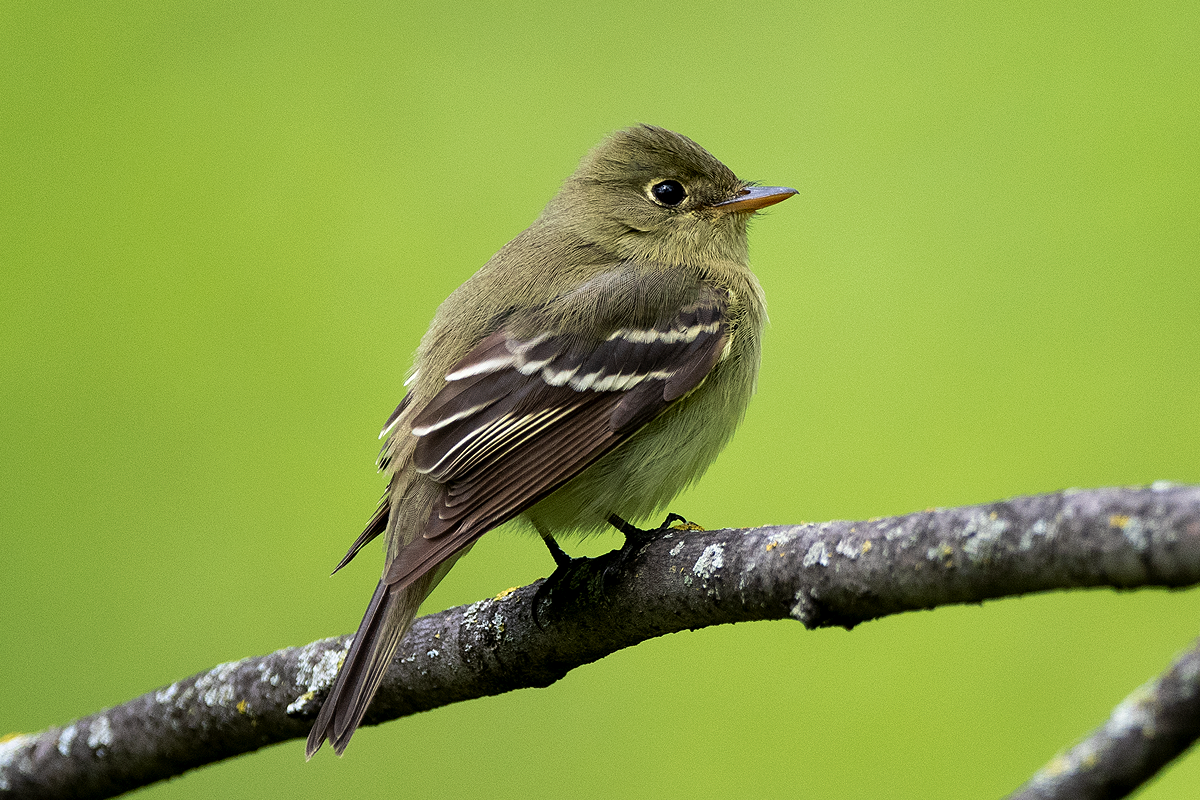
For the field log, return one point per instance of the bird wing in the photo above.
(521, 415)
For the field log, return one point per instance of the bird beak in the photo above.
(753, 198)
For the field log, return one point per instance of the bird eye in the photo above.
(669, 193)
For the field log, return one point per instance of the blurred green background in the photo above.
(225, 226)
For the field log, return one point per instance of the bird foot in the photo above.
(564, 565)
(634, 534)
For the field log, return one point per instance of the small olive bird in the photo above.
(592, 369)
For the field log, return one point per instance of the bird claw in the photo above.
(634, 534)
(684, 525)
(564, 565)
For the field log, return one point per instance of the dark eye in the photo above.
(669, 193)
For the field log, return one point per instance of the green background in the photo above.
(224, 227)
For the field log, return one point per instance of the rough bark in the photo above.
(822, 574)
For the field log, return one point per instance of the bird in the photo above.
(592, 369)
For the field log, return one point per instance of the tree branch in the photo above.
(826, 574)
(1152, 726)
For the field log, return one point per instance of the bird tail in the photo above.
(388, 618)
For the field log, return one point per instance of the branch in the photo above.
(1145, 733)
(826, 574)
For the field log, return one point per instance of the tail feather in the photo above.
(388, 618)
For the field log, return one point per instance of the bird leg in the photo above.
(563, 563)
(561, 559)
(562, 568)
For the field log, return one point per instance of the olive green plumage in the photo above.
(595, 365)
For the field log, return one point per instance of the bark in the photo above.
(822, 574)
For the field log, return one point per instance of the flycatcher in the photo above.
(595, 366)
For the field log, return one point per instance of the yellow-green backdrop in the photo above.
(223, 228)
